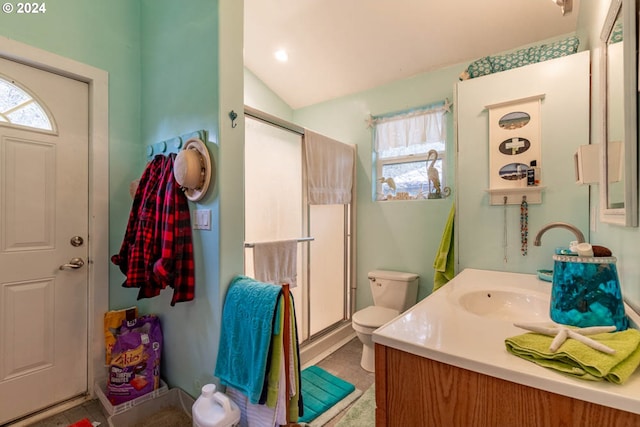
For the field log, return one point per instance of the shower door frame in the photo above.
(349, 240)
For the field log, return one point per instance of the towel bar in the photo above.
(300, 239)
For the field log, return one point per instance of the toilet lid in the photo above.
(373, 316)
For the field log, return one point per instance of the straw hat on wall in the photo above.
(192, 169)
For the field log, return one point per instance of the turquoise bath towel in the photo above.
(444, 263)
(247, 325)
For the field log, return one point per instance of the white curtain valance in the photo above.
(329, 169)
(423, 127)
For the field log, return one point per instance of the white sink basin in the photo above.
(511, 305)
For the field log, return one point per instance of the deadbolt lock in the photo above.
(76, 241)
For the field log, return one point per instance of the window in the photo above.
(409, 154)
(18, 107)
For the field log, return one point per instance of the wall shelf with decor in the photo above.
(515, 151)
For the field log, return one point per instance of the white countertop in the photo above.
(440, 329)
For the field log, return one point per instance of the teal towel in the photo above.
(579, 360)
(444, 264)
(245, 337)
(320, 391)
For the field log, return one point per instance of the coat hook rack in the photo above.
(233, 116)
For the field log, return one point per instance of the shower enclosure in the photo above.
(276, 208)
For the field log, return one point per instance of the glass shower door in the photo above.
(328, 260)
(275, 209)
(273, 195)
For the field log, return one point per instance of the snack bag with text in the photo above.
(135, 360)
(112, 322)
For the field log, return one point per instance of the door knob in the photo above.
(73, 264)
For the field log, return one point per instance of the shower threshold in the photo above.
(322, 345)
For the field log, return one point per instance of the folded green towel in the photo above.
(579, 360)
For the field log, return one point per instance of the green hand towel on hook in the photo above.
(445, 258)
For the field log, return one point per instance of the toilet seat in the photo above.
(373, 317)
(365, 322)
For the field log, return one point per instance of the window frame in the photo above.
(379, 162)
(410, 158)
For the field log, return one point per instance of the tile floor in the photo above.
(344, 363)
(91, 410)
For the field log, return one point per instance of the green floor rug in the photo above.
(321, 391)
(362, 413)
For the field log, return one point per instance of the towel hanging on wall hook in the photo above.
(233, 116)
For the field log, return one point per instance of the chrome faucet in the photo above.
(551, 225)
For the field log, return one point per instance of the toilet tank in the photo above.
(394, 289)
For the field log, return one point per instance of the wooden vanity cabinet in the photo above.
(413, 391)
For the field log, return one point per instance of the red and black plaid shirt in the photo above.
(157, 249)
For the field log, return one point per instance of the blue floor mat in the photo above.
(320, 391)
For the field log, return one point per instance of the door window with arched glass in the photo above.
(20, 108)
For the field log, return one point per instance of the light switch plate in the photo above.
(202, 219)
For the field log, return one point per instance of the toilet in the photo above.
(393, 293)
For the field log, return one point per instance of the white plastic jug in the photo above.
(214, 409)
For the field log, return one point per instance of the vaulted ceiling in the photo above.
(339, 47)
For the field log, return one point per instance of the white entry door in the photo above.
(43, 241)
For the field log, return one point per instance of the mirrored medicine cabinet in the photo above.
(619, 93)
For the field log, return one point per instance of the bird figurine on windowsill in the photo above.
(390, 182)
(433, 175)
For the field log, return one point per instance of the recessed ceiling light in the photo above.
(281, 55)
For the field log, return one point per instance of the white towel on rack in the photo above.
(252, 414)
(276, 262)
(260, 415)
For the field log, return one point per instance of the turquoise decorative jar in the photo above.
(586, 292)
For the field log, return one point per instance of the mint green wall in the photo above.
(165, 79)
(622, 241)
(259, 96)
(231, 164)
(394, 235)
(105, 35)
(186, 87)
(180, 94)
